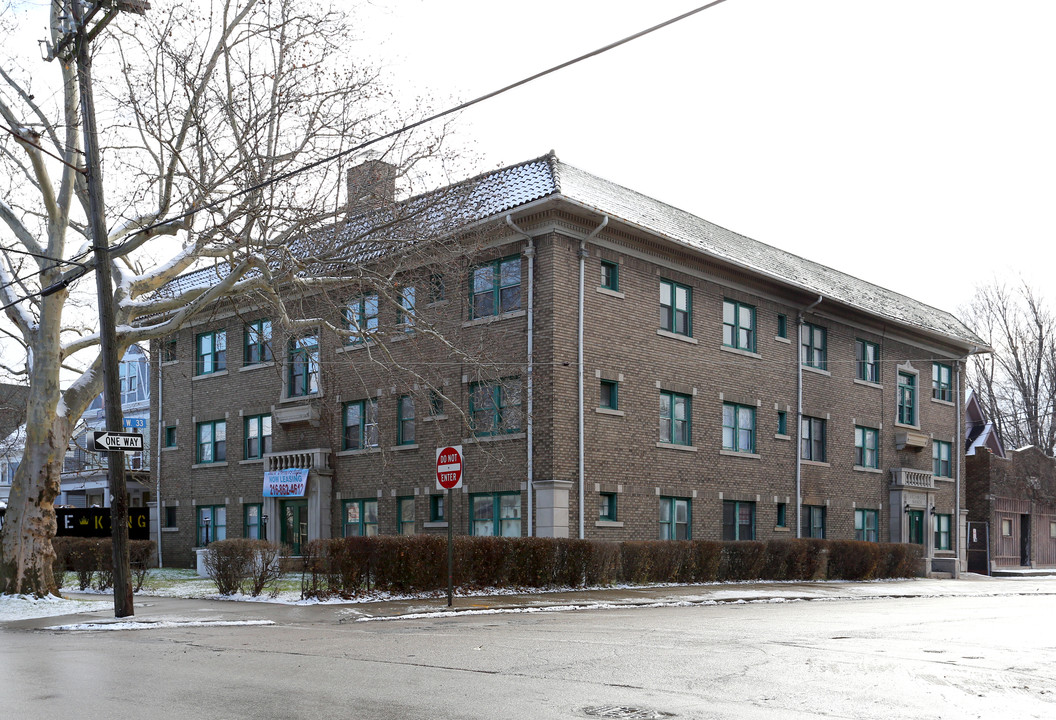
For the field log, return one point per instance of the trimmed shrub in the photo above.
(903, 560)
(743, 560)
(239, 565)
(855, 560)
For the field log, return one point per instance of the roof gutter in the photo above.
(799, 417)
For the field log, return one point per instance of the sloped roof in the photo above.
(509, 188)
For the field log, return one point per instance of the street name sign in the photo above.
(449, 467)
(104, 440)
(129, 422)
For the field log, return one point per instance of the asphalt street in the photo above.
(921, 649)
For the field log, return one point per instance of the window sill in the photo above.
(252, 461)
(609, 524)
(779, 436)
(672, 446)
(437, 303)
(909, 427)
(816, 463)
(938, 478)
(434, 418)
(170, 529)
(359, 451)
(782, 529)
(937, 401)
(611, 293)
(676, 336)
(357, 346)
(493, 438)
(818, 371)
(409, 446)
(609, 411)
(863, 468)
(200, 466)
(403, 335)
(256, 366)
(867, 383)
(170, 448)
(739, 351)
(493, 318)
(734, 453)
(203, 376)
(434, 524)
(299, 398)
(170, 362)
(786, 341)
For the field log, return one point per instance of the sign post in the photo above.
(449, 477)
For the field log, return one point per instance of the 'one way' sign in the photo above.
(104, 440)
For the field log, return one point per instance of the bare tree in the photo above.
(1016, 384)
(203, 102)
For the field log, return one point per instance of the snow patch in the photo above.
(27, 607)
(156, 624)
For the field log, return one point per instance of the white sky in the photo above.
(907, 142)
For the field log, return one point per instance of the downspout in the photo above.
(579, 364)
(957, 478)
(529, 252)
(158, 442)
(799, 418)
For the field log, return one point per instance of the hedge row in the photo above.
(93, 560)
(347, 566)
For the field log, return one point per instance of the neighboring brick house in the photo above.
(1016, 496)
(729, 390)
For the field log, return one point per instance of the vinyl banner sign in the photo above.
(95, 522)
(286, 483)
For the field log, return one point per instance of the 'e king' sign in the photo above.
(286, 483)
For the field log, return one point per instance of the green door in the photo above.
(295, 524)
(916, 526)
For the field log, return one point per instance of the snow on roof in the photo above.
(509, 188)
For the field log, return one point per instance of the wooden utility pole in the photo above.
(82, 13)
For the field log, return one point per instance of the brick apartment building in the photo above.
(613, 367)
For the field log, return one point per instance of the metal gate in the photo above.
(979, 548)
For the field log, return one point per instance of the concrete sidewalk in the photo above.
(150, 609)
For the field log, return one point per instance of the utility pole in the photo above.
(82, 13)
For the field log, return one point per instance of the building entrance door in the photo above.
(295, 524)
(1024, 539)
(916, 526)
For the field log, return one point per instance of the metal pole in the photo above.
(115, 470)
(450, 549)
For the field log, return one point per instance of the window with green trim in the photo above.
(258, 436)
(941, 526)
(406, 317)
(812, 438)
(168, 350)
(212, 441)
(866, 453)
(607, 507)
(867, 361)
(940, 459)
(436, 403)
(866, 523)
(405, 515)
(497, 514)
(675, 418)
(738, 520)
(676, 305)
(252, 527)
(257, 339)
(495, 407)
(782, 326)
(361, 316)
(738, 428)
(437, 288)
(405, 432)
(907, 398)
(609, 395)
(359, 518)
(211, 352)
(610, 275)
(782, 515)
(813, 521)
(303, 366)
(782, 422)
(738, 325)
(360, 424)
(212, 524)
(813, 346)
(942, 382)
(436, 509)
(170, 436)
(495, 288)
(675, 517)
(171, 519)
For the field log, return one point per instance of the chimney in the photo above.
(372, 183)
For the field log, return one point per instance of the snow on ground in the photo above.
(27, 607)
(156, 624)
